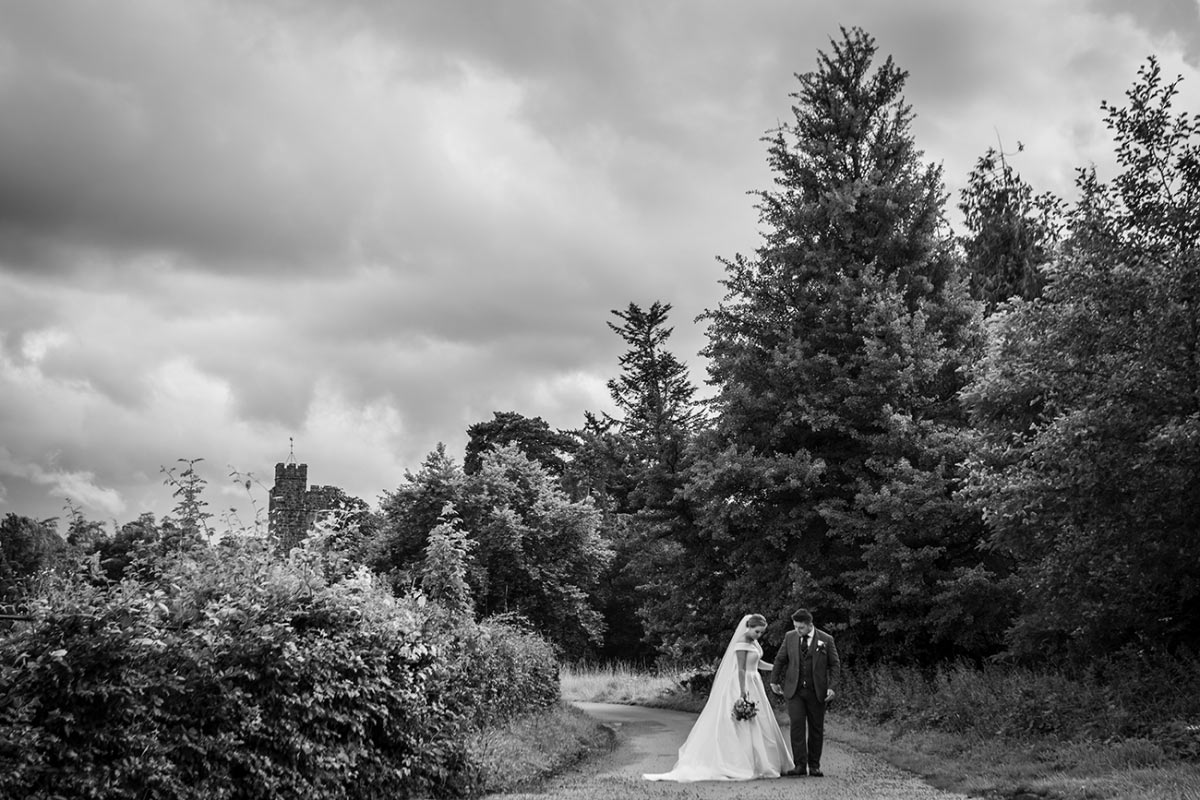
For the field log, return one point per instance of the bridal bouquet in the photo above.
(744, 709)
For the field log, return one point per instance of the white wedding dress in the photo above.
(719, 748)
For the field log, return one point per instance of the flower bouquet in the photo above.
(744, 709)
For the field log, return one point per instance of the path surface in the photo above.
(649, 740)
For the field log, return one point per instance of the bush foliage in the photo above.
(232, 673)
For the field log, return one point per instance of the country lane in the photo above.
(648, 740)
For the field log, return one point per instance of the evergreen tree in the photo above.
(1011, 233)
(653, 391)
(829, 478)
(639, 459)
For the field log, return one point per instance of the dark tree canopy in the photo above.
(532, 435)
(1089, 402)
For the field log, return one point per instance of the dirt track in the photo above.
(649, 740)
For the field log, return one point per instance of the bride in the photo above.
(720, 748)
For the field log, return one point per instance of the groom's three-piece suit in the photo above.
(806, 671)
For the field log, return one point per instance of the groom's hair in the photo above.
(802, 615)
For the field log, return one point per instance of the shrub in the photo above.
(699, 682)
(1179, 739)
(233, 674)
(503, 670)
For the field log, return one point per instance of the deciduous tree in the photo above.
(537, 552)
(411, 511)
(1090, 401)
(532, 435)
(444, 571)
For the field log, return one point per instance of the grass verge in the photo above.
(999, 768)
(526, 751)
(994, 767)
(621, 683)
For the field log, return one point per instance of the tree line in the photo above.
(982, 444)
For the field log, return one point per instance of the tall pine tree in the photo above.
(829, 479)
(653, 392)
(643, 453)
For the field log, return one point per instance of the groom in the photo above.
(808, 665)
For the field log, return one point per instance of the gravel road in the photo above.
(649, 740)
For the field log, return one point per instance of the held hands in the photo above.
(776, 688)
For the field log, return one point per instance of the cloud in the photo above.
(369, 225)
(80, 487)
(232, 142)
(1177, 22)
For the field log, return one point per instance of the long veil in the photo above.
(727, 671)
(713, 749)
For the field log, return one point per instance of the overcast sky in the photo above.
(368, 225)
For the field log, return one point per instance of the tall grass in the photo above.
(1135, 699)
(618, 682)
(527, 750)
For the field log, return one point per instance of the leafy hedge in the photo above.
(232, 674)
(503, 670)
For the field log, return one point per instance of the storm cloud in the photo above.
(369, 225)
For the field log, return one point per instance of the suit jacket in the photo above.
(823, 653)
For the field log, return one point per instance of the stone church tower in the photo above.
(294, 506)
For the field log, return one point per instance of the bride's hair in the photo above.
(756, 621)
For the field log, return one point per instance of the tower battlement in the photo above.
(291, 472)
(294, 506)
